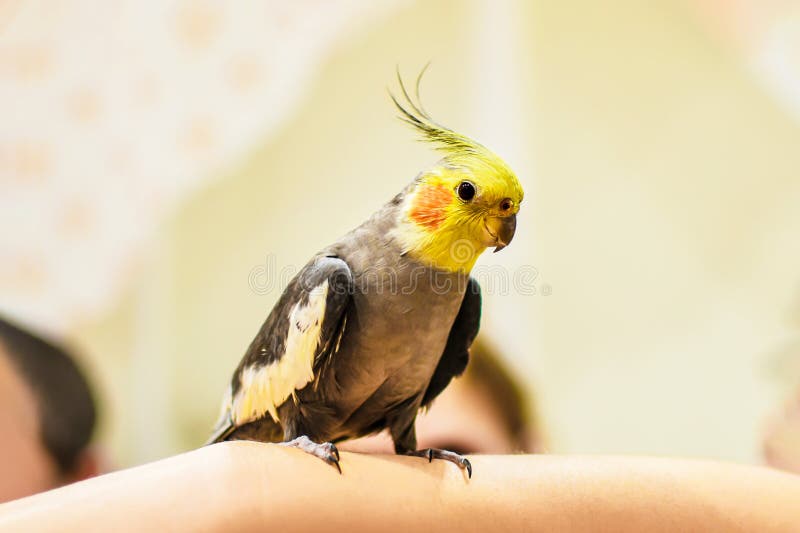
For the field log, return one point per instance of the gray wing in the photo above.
(456, 352)
(304, 328)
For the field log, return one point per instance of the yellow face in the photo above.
(467, 202)
(458, 209)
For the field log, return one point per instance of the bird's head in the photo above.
(465, 203)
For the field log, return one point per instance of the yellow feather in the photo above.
(263, 389)
(456, 243)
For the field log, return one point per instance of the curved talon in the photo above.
(332, 457)
(468, 466)
(433, 453)
(335, 452)
(326, 451)
(331, 460)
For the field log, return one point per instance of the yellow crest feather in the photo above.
(450, 234)
(459, 149)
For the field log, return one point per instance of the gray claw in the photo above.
(326, 451)
(433, 453)
(335, 451)
(331, 460)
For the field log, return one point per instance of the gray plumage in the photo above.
(369, 332)
(392, 335)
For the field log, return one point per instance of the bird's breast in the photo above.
(396, 331)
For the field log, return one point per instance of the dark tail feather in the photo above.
(222, 431)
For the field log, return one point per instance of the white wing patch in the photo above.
(264, 388)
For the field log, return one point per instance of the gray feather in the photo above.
(381, 344)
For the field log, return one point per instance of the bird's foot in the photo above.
(433, 453)
(326, 451)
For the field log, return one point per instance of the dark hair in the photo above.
(64, 401)
(513, 401)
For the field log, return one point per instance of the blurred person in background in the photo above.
(47, 416)
(781, 446)
(487, 410)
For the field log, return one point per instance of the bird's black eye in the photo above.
(466, 191)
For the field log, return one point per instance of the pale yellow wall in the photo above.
(661, 186)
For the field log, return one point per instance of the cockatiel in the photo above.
(376, 325)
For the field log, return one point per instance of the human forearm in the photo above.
(248, 485)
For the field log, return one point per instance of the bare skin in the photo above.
(253, 486)
(24, 462)
(26, 465)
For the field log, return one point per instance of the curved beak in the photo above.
(503, 230)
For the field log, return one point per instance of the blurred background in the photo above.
(165, 165)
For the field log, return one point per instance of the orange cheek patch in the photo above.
(429, 206)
